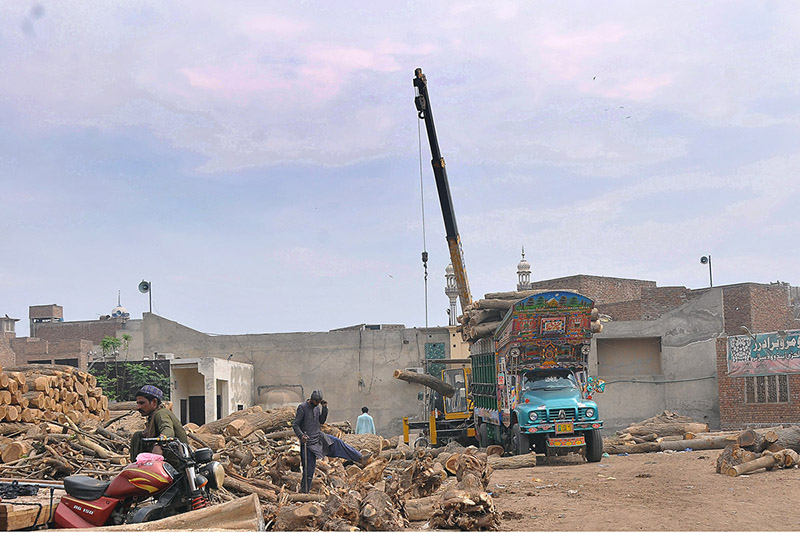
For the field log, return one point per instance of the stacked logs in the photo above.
(31, 393)
(753, 450)
(392, 485)
(480, 319)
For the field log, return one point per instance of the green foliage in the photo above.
(109, 345)
(121, 380)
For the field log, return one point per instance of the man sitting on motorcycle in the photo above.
(160, 421)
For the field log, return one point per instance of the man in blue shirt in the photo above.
(365, 424)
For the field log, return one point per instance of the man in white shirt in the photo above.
(365, 424)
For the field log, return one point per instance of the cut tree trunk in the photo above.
(364, 442)
(241, 514)
(765, 461)
(263, 420)
(218, 425)
(717, 443)
(515, 461)
(424, 379)
(421, 508)
(669, 428)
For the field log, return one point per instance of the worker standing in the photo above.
(365, 424)
(314, 444)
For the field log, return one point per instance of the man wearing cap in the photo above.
(314, 444)
(160, 421)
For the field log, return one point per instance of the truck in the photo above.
(530, 382)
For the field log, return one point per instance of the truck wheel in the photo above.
(594, 446)
(520, 442)
(483, 436)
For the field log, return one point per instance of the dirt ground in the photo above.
(678, 491)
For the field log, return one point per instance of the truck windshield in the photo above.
(539, 382)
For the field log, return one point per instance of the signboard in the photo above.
(764, 354)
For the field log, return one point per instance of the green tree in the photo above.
(109, 345)
(126, 344)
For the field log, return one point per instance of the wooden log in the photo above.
(265, 420)
(278, 435)
(217, 426)
(15, 450)
(35, 399)
(668, 428)
(238, 428)
(492, 303)
(241, 514)
(298, 517)
(378, 513)
(515, 461)
(424, 379)
(764, 461)
(717, 443)
(3, 379)
(418, 509)
(364, 442)
(12, 413)
(484, 329)
(785, 438)
(645, 447)
(494, 449)
(244, 487)
(13, 428)
(112, 406)
(5, 397)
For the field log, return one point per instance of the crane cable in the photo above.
(424, 242)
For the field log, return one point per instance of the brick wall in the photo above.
(601, 289)
(622, 311)
(7, 355)
(92, 330)
(758, 307)
(34, 349)
(734, 413)
(46, 311)
(658, 300)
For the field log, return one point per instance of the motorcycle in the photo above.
(124, 500)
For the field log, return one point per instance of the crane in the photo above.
(422, 101)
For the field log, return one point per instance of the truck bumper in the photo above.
(550, 428)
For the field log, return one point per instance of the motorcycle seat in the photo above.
(85, 487)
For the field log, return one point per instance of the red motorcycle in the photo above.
(143, 491)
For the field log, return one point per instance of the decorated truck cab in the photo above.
(531, 387)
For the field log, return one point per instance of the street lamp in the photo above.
(707, 259)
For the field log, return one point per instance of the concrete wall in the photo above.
(209, 377)
(687, 383)
(353, 367)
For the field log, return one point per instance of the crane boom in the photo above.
(424, 112)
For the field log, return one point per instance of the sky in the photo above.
(263, 166)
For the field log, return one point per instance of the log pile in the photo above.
(481, 319)
(666, 431)
(31, 393)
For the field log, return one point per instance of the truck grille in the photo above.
(554, 415)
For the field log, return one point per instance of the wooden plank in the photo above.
(14, 516)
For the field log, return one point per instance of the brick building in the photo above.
(55, 341)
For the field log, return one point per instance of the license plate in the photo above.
(563, 442)
(563, 427)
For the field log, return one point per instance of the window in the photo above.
(766, 389)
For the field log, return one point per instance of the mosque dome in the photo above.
(120, 312)
(523, 265)
(450, 269)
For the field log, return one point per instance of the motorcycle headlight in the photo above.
(590, 413)
(532, 416)
(215, 474)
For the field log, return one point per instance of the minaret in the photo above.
(523, 274)
(451, 290)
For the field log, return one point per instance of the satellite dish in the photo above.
(144, 287)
